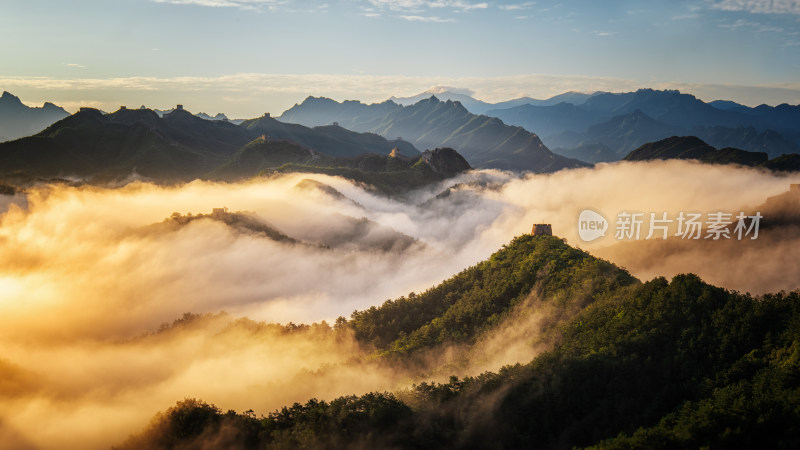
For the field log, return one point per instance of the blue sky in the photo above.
(245, 57)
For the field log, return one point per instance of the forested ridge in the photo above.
(660, 364)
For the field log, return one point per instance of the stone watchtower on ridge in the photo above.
(542, 229)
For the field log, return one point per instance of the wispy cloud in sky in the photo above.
(517, 6)
(428, 19)
(758, 27)
(760, 6)
(402, 5)
(243, 4)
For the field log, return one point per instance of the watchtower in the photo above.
(542, 229)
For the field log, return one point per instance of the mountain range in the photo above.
(625, 121)
(623, 364)
(180, 146)
(480, 107)
(485, 142)
(582, 128)
(18, 120)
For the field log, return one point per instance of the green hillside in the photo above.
(678, 364)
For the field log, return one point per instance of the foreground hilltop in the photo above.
(621, 364)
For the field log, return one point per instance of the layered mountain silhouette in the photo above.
(179, 146)
(480, 107)
(486, 142)
(621, 134)
(389, 174)
(89, 144)
(624, 121)
(18, 120)
(350, 114)
(332, 140)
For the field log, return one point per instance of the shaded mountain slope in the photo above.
(747, 138)
(784, 163)
(391, 174)
(691, 147)
(484, 141)
(177, 146)
(92, 144)
(262, 154)
(334, 141)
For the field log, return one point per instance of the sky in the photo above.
(247, 57)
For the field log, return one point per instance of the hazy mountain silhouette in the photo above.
(484, 141)
(480, 107)
(549, 120)
(621, 134)
(18, 120)
(773, 130)
(351, 114)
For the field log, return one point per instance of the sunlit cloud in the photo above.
(88, 274)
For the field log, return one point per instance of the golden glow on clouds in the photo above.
(84, 272)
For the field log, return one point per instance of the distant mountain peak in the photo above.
(448, 89)
(10, 98)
